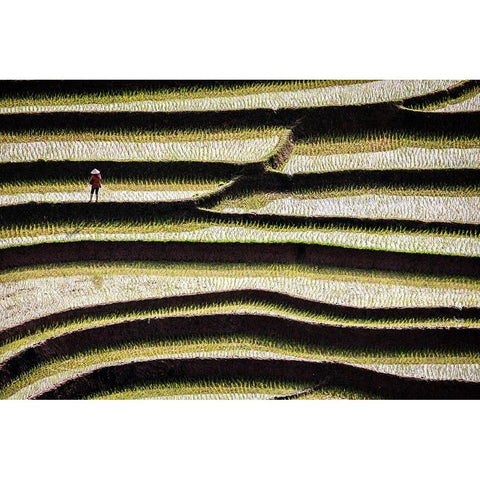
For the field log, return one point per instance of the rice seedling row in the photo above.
(83, 285)
(425, 206)
(190, 92)
(106, 196)
(468, 101)
(206, 390)
(461, 244)
(420, 365)
(236, 151)
(225, 367)
(37, 334)
(374, 141)
(353, 342)
(402, 158)
(471, 104)
(360, 93)
(467, 246)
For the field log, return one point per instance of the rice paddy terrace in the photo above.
(252, 240)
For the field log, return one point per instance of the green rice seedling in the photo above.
(18, 344)
(140, 136)
(439, 244)
(33, 292)
(383, 151)
(215, 269)
(358, 93)
(428, 205)
(204, 389)
(229, 390)
(48, 374)
(403, 158)
(390, 239)
(373, 141)
(337, 393)
(236, 146)
(18, 187)
(134, 190)
(191, 92)
(467, 102)
(443, 371)
(471, 104)
(107, 195)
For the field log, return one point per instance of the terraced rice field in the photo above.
(236, 146)
(459, 244)
(295, 97)
(406, 205)
(275, 260)
(382, 152)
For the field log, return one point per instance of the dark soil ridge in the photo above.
(329, 373)
(230, 296)
(450, 93)
(305, 122)
(245, 183)
(160, 170)
(278, 326)
(299, 393)
(125, 170)
(283, 150)
(43, 212)
(451, 177)
(25, 88)
(279, 182)
(340, 222)
(237, 252)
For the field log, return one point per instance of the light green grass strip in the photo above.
(32, 293)
(236, 391)
(468, 102)
(468, 371)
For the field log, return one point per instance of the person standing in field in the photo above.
(96, 183)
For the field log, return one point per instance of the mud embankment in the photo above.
(328, 373)
(230, 296)
(256, 325)
(123, 170)
(450, 93)
(231, 252)
(305, 122)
